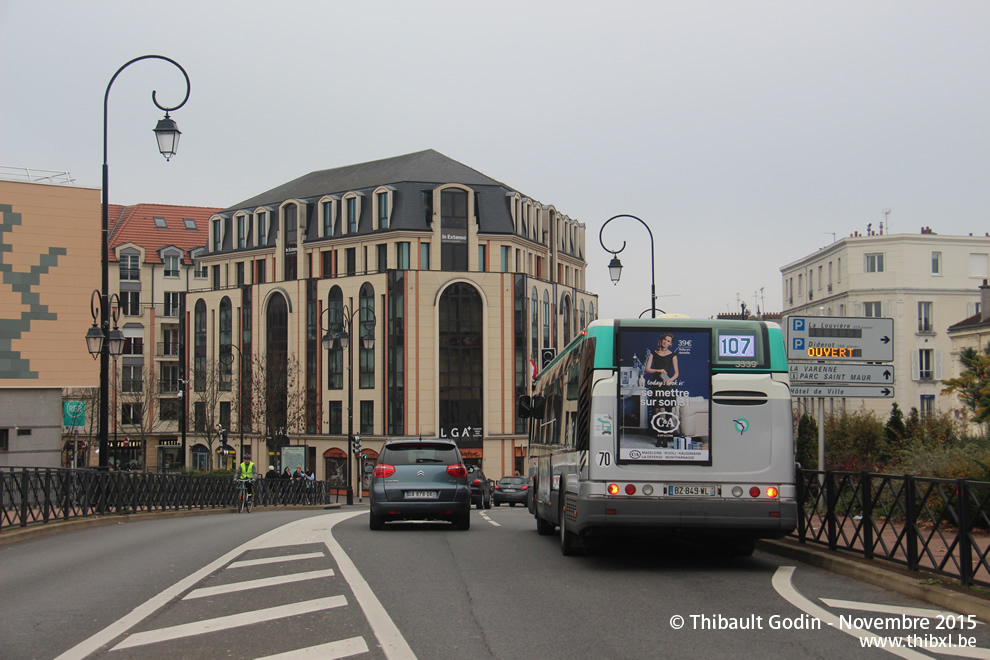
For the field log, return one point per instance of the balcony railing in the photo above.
(167, 349)
(168, 387)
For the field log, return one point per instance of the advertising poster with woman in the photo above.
(664, 396)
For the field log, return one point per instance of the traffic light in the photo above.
(223, 437)
(356, 446)
(546, 356)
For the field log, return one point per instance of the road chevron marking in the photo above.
(232, 621)
(276, 560)
(280, 536)
(259, 583)
(342, 649)
(783, 586)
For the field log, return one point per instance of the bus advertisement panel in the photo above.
(664, 395)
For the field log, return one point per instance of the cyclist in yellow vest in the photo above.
(247, 475)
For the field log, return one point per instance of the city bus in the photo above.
(666, 427)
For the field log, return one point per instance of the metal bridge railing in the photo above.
(40, 495)
(936, 525)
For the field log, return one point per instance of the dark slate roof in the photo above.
(974, 321)
(423, 166)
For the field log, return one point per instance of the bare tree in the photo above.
(279, 407)
(208, 394)
(148, 411)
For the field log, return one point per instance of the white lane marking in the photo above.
(275, 560)
(490, 521)
(289, 534)
(228, 622)
(257, 584)
(887, 609)
(392, 642)
(342, 649)
(782, 585)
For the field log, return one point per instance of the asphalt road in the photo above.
(287, 583)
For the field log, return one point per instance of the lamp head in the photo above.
(615, 269)
(167, 132)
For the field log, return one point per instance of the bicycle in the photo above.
(245, 500)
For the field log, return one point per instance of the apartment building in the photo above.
(925, 282)
(154, 260)
(446, 282)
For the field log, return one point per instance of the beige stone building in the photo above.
(459, 280)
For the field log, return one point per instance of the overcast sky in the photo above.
(745, 134)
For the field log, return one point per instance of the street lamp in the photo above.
(340, 333)
(227, 376)
(105, 345)
(168, 138)
(615, 266)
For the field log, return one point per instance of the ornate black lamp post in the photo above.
(341, 332)
(615, 266)
(168, 140)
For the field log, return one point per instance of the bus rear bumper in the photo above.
(683, 517)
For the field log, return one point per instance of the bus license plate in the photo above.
(421, 494)
(693, 491)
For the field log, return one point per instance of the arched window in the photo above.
(226, 333)
(199, 346)
(276, 376)
(546, 319)
(461, 358)
(535, 330)
(335, 358)
(565, 317)
(583, 322)
(364, 327)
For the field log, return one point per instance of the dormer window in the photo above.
(171, 265)
(262, 228)
(242, 231)
(352, 215)
(383, 207)
(217, 238)
(328, 217)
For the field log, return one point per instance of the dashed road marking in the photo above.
(490, 521)
(278, 580)
(276, 560)
(232, 621)
(342, 649)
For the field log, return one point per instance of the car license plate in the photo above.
(510, 490)
(692, 490)
(421, 494)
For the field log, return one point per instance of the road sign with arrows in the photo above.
(843, 391)
(845, 339)
(841, 373)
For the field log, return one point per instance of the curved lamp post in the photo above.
(167, 134)
(340, 332)
(615, 266)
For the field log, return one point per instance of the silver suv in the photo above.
(420, 480)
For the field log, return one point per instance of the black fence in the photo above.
(936, 525)
(40, 495)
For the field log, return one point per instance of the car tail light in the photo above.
(771, 492)
(457, 470)
(477, 482)
(754, 491)
(496, 486)
(525, 487)
(382, 470)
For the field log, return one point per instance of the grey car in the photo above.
(512, 491)
(420, 480)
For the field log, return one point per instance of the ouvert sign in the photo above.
(846, 339)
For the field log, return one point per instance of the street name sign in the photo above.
(840, 373)
(842, 338)
(843, 391)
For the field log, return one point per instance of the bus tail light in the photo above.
(383, 470)
(754, 491)
(613, 489)
(630, 489)
(771, 491)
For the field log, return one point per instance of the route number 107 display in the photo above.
(736, 346)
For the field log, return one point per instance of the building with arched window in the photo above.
(434, 286)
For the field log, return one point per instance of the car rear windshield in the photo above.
(418, 453)
(512, 481)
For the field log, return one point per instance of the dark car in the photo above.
(481, 487)
(420, 480)
(512, 490)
